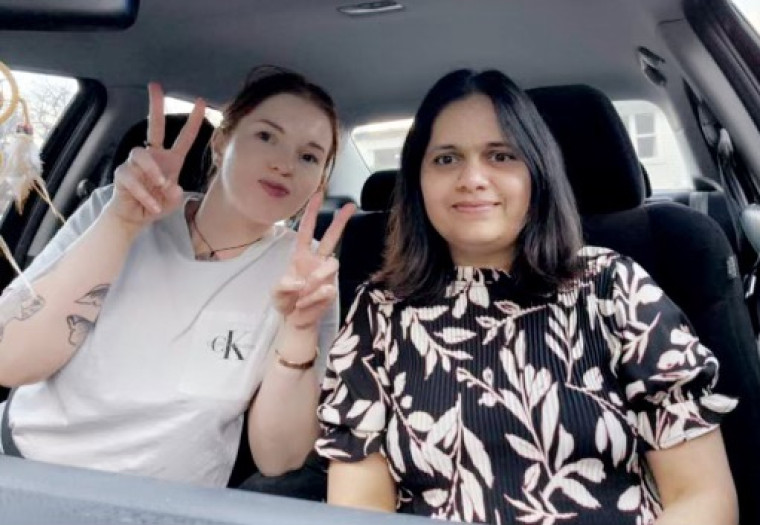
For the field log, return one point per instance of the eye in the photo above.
(265, 136)
(310, 158)
(503, 156)
(444, 160)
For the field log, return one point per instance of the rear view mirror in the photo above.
(67, 15)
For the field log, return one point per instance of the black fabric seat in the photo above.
(195, 170)
(685, 251)
(330, 205)
(361, 251)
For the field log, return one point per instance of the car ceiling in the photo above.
(378, 65)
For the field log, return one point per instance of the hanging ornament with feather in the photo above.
(20, 164)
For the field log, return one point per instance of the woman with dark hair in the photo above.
(154, 315)
(496, 370)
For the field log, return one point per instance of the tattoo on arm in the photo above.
(79, 326)
(19, 304)
(96, 296)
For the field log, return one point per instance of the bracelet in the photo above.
(296, 366)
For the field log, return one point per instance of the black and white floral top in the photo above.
(494, 409)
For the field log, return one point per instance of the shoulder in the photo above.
(595, 259)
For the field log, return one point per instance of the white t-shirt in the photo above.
(160, 385)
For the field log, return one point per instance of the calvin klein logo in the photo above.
(233, 344)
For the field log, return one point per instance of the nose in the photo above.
(472, 176)
(281, 162)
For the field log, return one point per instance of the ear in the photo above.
(218, 144)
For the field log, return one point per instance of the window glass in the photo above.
(751, 11)
(46, 97)
(380, 144)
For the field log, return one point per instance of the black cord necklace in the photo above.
(211, 255)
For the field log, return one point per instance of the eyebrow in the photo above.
(451, 147)
(282, 130)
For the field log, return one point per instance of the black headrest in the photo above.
(600, 160)
(194, 172)
(335, 202)
(377, 192)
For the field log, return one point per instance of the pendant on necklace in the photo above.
(208, 256)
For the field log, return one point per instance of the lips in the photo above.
(475, 206)
(274, 189)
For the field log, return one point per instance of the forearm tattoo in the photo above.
(79, 326)
(18, 304)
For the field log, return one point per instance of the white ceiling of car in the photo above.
(374, 65)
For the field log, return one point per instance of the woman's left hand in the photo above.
(308, 288)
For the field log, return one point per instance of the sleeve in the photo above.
(354, 401)
(667, 375)
(72, 229)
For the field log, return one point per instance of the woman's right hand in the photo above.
(145, 186)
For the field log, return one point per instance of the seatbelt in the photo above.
(9, 446)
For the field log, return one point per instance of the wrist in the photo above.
(122, 229)
(296, 344)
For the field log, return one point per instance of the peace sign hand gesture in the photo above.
(308, 288)
(145, 186)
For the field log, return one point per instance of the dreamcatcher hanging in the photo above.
(20, 164)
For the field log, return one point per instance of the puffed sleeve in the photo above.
(667, 375)
(353, 407)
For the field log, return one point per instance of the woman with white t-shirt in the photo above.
(157, 314)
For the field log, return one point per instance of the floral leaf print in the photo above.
(420, 421)
(601, 437)
(399, 383)
(472, 496)
(593, 380)
(460, 306)
(531, 477)
(438, 460)
(514, 405)
(578, 493)
(477, 453)
(453, 336)
(524, 448)
(510, 365)
(550, 417)
(617, 437)
(430, 313)
(359, 407)
(418, 459)
(565, 447)
(443, 426)
(536, 385)
(392, 442)
(435, 497)
(430, 361)
(630, 500)
(479, 295)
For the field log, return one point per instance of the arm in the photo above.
(41, 332)
(695, 482)
(41, 329)
(366, 484)
(282, 422)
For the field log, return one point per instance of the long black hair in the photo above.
(418, 262)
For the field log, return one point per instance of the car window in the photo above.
(380, 143)
(656, 144)
(751, 11)
(173, 105)
(46, 96)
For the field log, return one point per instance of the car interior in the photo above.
(692, 223)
